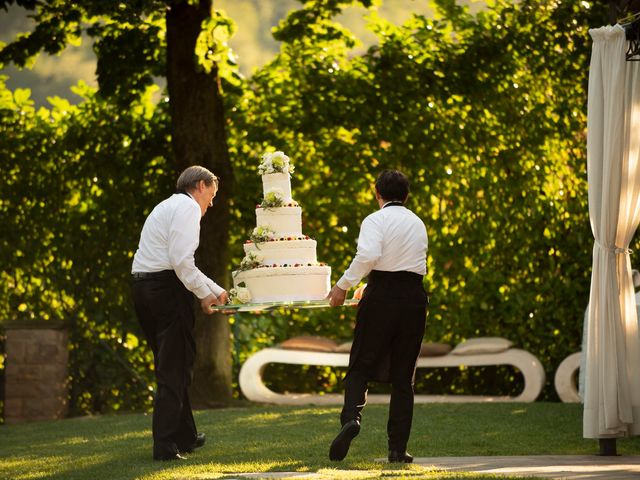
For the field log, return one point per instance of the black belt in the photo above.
(400, 276)
(150, 275)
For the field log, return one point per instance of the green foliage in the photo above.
(314, 20)
(212, 48)
(128, 56)
(110, 161)
(70, 231)
(486, 115)
(128, 40)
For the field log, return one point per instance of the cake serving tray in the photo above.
(266, 306)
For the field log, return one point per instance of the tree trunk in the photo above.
(198, 138)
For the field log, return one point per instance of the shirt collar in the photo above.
(184, 192)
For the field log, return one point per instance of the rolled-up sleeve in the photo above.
(184, 237)
(368, 252)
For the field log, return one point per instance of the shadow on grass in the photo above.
(271, 439)
(238, 440)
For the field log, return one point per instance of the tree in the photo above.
(486, 113)
(183, 41)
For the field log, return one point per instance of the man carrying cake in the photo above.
(165, 279)
(391, 317)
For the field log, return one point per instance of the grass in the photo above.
(269, 439)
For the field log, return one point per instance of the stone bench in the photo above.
(484, 351)
(565, 379)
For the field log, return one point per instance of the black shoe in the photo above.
(166, 451)
(399, 457)
(171, 456)
(201, 439)
(340, 445)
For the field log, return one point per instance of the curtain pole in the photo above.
(608, 446)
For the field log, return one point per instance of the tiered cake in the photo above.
(280, 263)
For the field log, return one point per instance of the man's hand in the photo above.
(207, 302)
(336, 296)
(223, 299)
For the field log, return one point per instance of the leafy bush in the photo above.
(486, 115)
(79, 181)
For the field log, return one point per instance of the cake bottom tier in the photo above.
(285, 284)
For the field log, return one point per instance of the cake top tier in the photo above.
(276, 168)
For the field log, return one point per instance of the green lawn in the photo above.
(265, 439)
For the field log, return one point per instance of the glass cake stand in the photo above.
(230, 309)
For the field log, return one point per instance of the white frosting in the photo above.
(281, 181)
(278, 284)
(281, 252)
(284, 221)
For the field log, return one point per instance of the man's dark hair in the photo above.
(392, 185)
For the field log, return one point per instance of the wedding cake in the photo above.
(280, 263)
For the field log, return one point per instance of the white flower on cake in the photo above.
(273, 198)
(243, 295)
(251, 260)
(275, 162)
(262, 234)
(240, 294)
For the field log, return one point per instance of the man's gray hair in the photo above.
(189, 179)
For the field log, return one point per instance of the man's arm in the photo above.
(368, 253)
(184, 237)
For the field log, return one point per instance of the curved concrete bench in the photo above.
(255, 390)
(565, 379)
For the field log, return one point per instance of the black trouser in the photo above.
(390, 325)
(165, 311)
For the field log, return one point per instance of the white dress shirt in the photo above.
(169, 239)
(392, 239)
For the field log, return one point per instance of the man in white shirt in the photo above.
(165, 278)
(391, 317)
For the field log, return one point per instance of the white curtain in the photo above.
(612, 377)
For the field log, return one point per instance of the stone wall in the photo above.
(36, 374)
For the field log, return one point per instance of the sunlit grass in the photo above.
(291, 439)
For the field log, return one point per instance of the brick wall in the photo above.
(36, 383)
